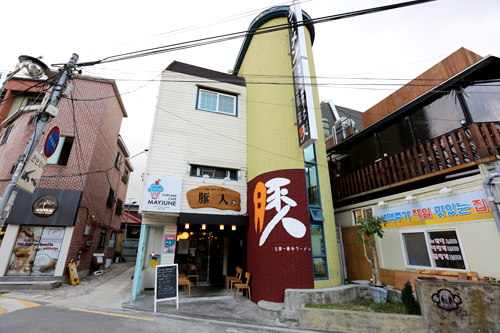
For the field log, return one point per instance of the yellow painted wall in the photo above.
(274, 145)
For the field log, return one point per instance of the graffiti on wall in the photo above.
(446, 300)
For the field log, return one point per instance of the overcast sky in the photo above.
(349, 54)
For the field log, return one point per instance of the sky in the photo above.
(359, 61)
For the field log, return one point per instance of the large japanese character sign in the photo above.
(279, 241)
(277, 195)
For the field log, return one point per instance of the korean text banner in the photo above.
(457, 208)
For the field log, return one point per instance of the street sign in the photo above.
(32, 172)
(51, 142)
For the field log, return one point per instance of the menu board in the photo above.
(166, 281)
(446, 250)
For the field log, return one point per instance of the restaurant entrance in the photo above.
(212, 251)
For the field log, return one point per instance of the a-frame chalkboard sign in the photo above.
(166, 284)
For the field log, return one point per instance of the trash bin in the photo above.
(117, 260)
(108, 263)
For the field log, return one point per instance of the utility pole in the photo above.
(49, 111)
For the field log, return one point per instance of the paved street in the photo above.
(95, 305)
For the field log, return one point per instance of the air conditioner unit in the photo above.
(343, 128)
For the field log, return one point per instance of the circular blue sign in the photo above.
(51, 141)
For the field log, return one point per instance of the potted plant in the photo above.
(367, 229)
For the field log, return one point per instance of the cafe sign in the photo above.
(45, 206)
(215, 197)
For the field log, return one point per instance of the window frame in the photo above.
(429, 250)
(112, 237)
(4, 138)
(102, 240)
(227, 172)
(63, 142)
(125, 175)
(362, 209)
(118, 160)
(218, 94)
(324, 256)
(111, 198)
(119, 207)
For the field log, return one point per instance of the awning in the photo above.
(192, 218)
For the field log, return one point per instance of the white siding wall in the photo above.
(183, 135)
(478, 237)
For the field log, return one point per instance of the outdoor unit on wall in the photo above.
(343, 128)
(86, 231)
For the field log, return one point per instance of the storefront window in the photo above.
(433, 249)
(318, 251)
(36, 251)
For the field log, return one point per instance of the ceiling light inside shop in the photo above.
(222, 227)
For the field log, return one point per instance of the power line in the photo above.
(241, 34)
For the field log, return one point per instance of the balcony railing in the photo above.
(460, 148)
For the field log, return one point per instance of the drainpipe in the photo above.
(491, 199)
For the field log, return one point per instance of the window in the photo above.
(221, 173)
(13, 169)
(361, 213)
(119, 207)
(125, 175)
(318, 251)
(102, 238)
(111, 198)
(433, 249)
(5, 135)
(112, 239)
(63, 150)
(215, 101)
(326, 127)
(118, 160)
(33, 119)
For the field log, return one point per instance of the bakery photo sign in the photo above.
(162, 194)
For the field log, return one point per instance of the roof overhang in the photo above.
(403, 110)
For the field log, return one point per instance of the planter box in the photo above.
(358, 321)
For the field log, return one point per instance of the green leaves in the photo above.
(368, 227)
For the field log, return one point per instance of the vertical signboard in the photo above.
(304, 104)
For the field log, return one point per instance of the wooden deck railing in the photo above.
(458, 147)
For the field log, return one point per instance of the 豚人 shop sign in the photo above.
(162, 194)
(457, 208)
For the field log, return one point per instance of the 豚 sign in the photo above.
(457, 208)
(162, 194)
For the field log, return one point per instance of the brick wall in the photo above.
(97, 115)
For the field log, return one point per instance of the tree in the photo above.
(367, 229)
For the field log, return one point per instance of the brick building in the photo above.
(87, 177)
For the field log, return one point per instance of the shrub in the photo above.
(412, 306)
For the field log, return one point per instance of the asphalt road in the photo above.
(51, 318)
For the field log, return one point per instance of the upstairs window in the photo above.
(326, 127)
(118, 160)
(221, 173)
(102, 238)
(63, 150)
(111, 198)
(5, 136)
(125, 175)
(119, 207)
(209, 100)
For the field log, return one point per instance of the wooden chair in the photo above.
(243, 286)
(195, 275)
(231, 279)
(186, 284)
